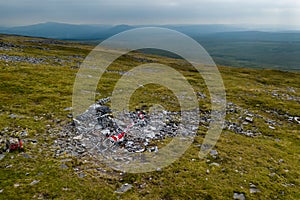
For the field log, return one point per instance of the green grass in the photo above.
(39, 93)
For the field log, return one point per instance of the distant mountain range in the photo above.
(99, 32)
(257, 47)
(92, 32)
(57, 30)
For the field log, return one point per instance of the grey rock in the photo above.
(213, 152)
(2, 156)
(93, 129)
(16, 185)
(81, 175)
(70, 116)
(34, 182)
(30, 60)
(24, 133)
(250, 115)
(139, 150)
(66, 160)
(13, 116)
(153, 149)
(33, 141)
(272, 127)
(272, 174)
(63, 166)
(239, 196)
(254, 190)
(78, 137)
(214, 164)
(25, 155)
(68, 109)
(124, 188)
(249, 119)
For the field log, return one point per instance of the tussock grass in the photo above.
(38, 94)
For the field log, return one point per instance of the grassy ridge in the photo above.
(38, 94)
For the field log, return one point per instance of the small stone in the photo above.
(124, 188)
(153, 149)
(214, 164)
(139, 150)
(254, 190)
(16, 185)
(79, 137)
(239, 196)
(68, 109)
(34, 182)
(66, 160)
(146, 143)
(281, 161)
(25, 155)
(13, 116)
(1, 190)
(2, 156)
(63, 166)
(249, 115)
(27, 174)
(106, 132)
(33, 141)
(24, 133)
(272, 174)
(252, 185)
(272, 127)
(207, 171)
(213, 153)
(81, 175)
(249, 119)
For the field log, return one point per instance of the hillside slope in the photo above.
(37, 77)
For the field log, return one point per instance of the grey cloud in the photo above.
(153, 12)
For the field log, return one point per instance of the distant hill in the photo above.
(77, 32)
(103, 34)
(57, 30)
(96, 32)
(254, 36)
(204, 29)
(227, 44)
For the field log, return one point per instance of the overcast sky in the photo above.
(23, 12)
